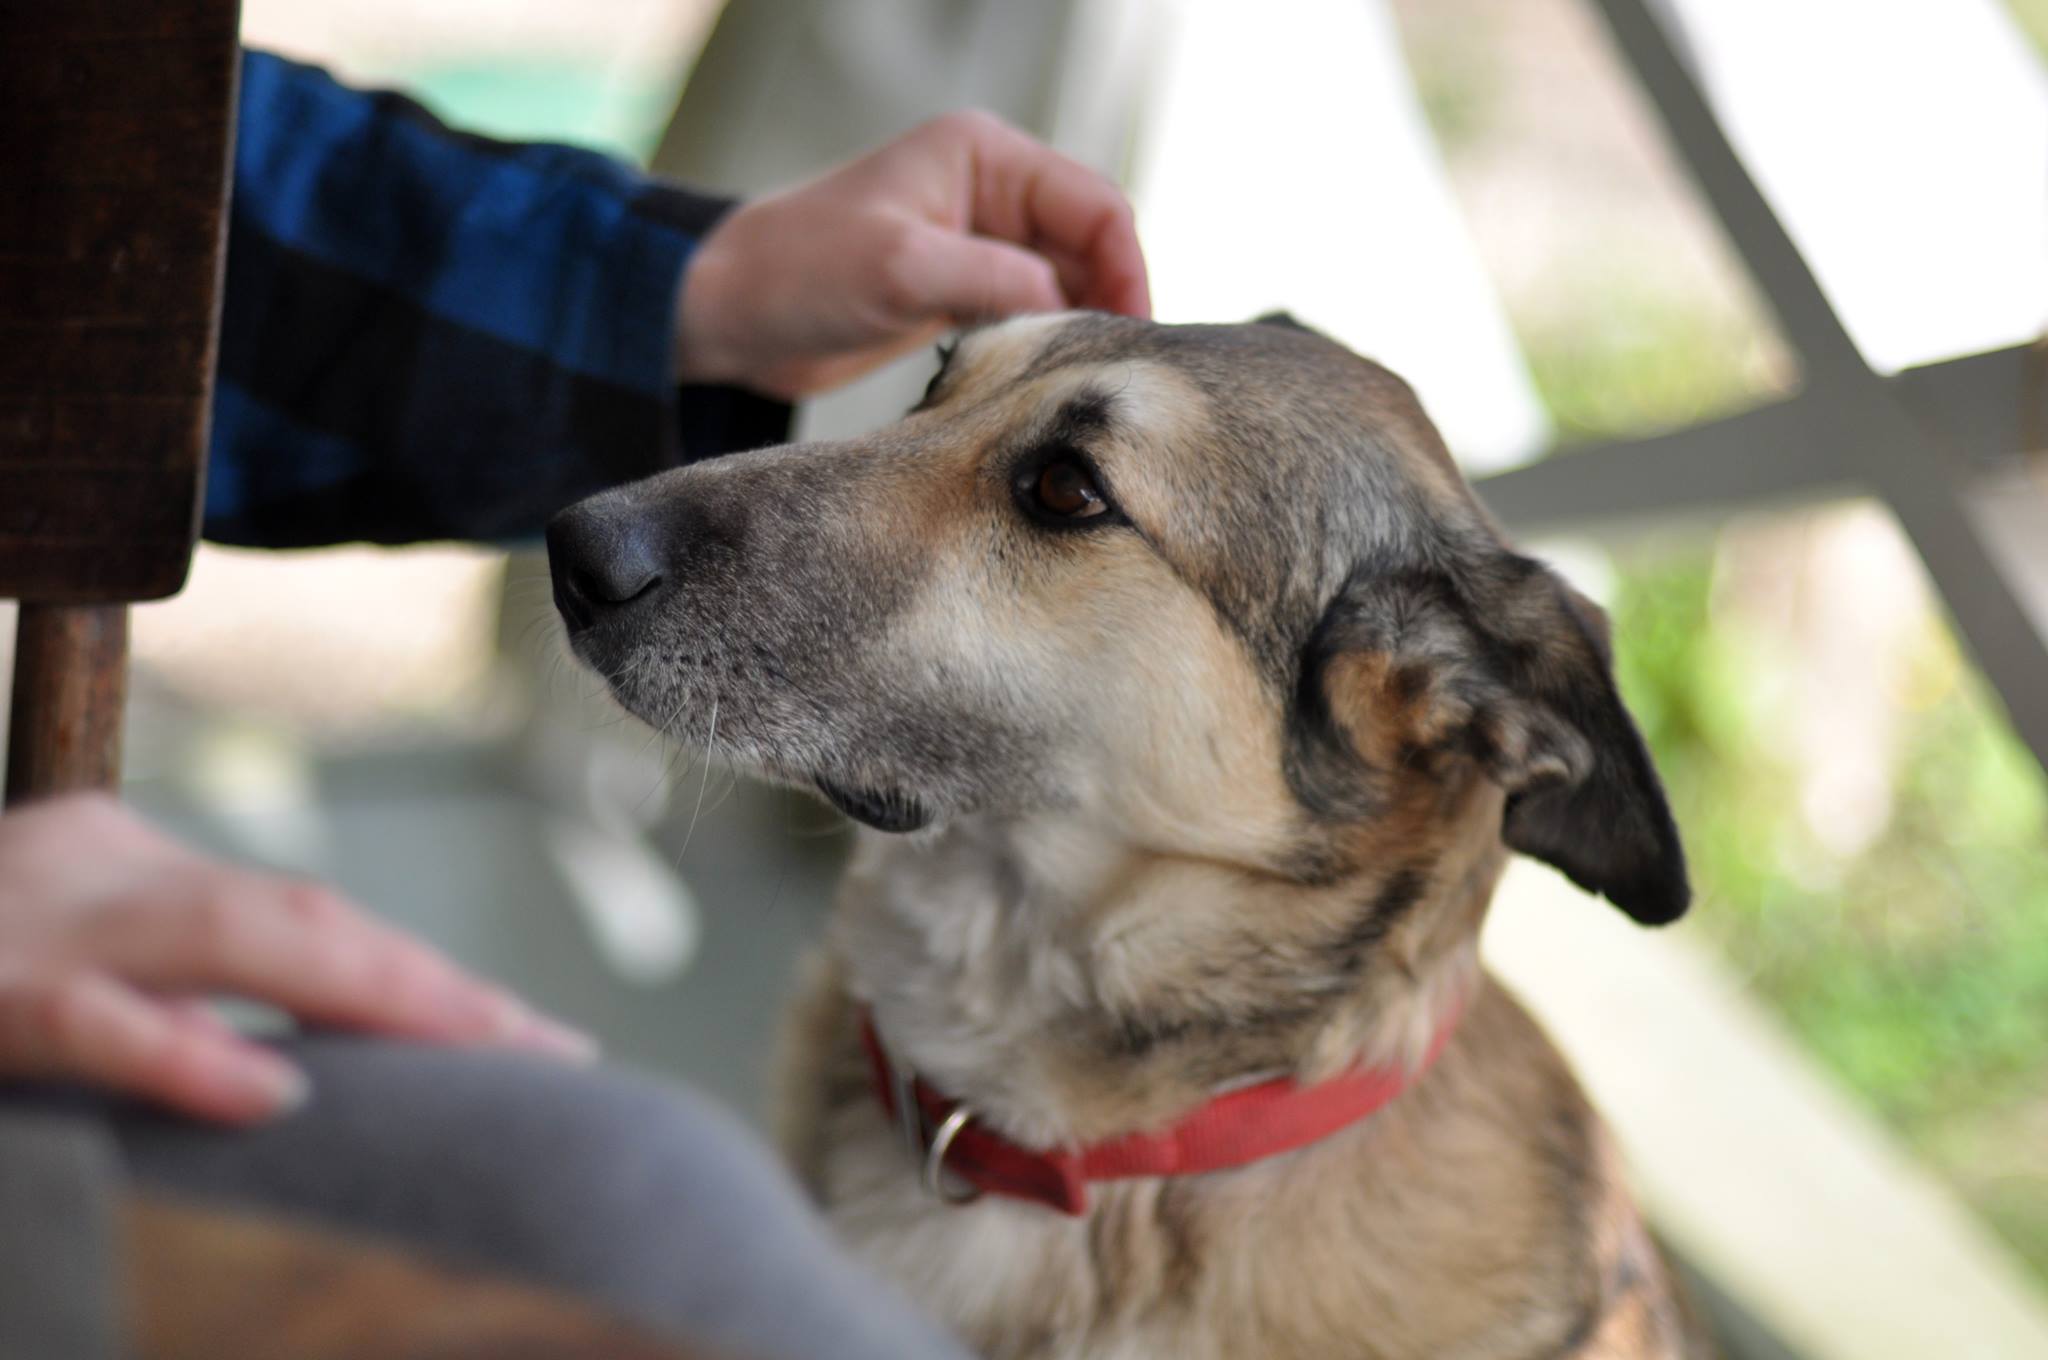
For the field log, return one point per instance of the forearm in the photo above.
(430, 335)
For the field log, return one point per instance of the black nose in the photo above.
(601, 557)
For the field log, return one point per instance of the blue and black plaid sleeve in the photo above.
(427, 334)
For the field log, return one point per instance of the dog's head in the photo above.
(1215, 590)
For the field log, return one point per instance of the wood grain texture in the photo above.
(70, 682)
(204, 1283)
(116, 122)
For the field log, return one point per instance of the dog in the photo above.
(1191, 705)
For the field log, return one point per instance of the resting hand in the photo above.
(964, 219)
(111, 933)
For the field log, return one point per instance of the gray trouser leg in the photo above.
(58, 1240)
(644, 1198)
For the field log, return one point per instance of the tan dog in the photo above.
(1195, 706)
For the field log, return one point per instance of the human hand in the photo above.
(963, 219)
(111, 933)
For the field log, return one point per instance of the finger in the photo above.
(302, 947)
(820, 375)
(1073, 274)
(1029, 194)
(197, 1013)
(940, 273)
(86, 1027)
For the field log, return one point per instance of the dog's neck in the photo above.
(1069, 986)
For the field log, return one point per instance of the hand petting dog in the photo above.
(964, 219)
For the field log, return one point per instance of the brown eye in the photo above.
(1065, 489)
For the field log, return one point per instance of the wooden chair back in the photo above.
(116, 123)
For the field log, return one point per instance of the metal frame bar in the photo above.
(1848, 428)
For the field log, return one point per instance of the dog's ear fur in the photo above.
(1284, 319)
(1509, 667)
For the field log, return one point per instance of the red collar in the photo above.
(1238, 1127)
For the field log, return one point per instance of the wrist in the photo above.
(703, 350)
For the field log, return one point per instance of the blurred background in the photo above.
(1833, 1077)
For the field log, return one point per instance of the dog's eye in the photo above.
(945, 351)
(1066, 490)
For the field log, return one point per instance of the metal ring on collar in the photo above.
(935, 1158)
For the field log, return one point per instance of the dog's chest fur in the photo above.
(1364, 1246)
(1481, 1215)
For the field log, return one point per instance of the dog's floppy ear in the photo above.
(1507, 666)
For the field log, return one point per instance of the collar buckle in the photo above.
(927, 1145)
(935, 1177)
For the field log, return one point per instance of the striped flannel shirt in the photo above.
(427, 334)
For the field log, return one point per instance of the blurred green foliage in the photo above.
(1654, 360)
(541, 99)
(1916, 970)
(1919, 967)
(2032, 16)
(1456, 82)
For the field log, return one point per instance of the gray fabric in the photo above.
(643, 1198)
(57, 1239)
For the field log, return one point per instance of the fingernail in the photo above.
(553, 1037)
(483, 1013)
(507, 1019)
(283, 1087)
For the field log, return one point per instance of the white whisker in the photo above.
(710, 745)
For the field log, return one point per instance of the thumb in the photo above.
(964, 278)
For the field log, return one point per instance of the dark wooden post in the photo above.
(70, 680)
(116, 123)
